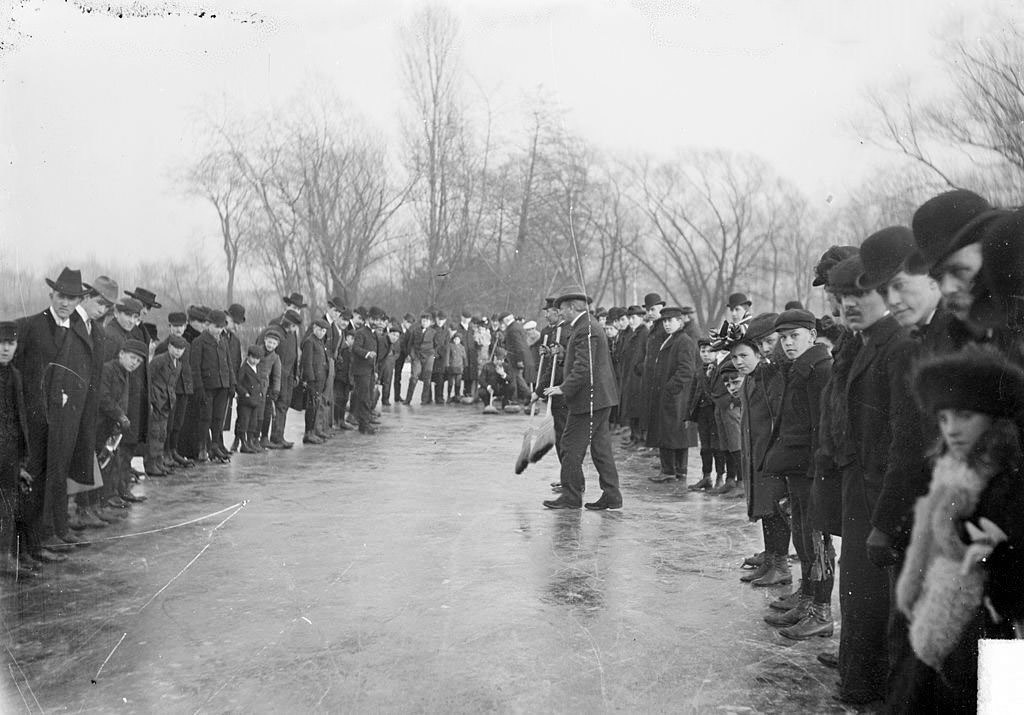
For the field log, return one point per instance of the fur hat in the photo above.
(198, 312)
(975, 378)
(946, 223)
(829, 260)
(177, 319)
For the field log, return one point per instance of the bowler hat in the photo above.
(345, 314)
(946, 223)
(69, 283)
(176, 341)
(336, 302)
(652, 299)
(738, 299)
(975, 378)
(829, 259)
(761, 326)
(842, 279)
(795, 318)
(635, 310)
(237, 312)
(105, 287)
(549, 304)
(147, 298)
(794, 305)
(998, 301)
(375, 312)
(882, 256)
(136, 347)
(321, 323)
(601, 312)
(177, 318)
(572, 293)
(129, 305)
(292, 317)
(198, 312)
(219, 318)
(688, 310)
(672, 312)
(295, 300)
(614, 313)
(8, 331)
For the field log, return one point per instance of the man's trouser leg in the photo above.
(176, 421)
(280, 420)
(362, 394)
(559, 414)
(399, 364)
(415, 368)
(219, 399)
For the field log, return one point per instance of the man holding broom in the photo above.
(588, 386)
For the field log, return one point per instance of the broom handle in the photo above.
(540, 369)
(554, 362)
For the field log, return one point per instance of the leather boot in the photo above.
(778, 573)
(236, 444)
(727, 486)
(255, 443)
(817, 622)
(704, 483)
(247, 447)
(154, 468)
(791, 617)
(752, 562)
(760, 571)
(784, 603)
(265, 443)
(311, 438)
(719, 480)
(183, 461)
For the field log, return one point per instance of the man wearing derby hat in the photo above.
(948, 230)
(671, 385)
(588, 386)
(211, 381)
(56, 363)
(886, 448)
(739, 308)
(632, 358)
(296, 302)
(656, 334)
(362, 371)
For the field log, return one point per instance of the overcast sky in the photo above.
(97, 112)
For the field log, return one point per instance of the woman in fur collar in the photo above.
(961, 578)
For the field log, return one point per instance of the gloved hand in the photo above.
(124, 423)
(880, 549)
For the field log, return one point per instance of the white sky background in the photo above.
(96, 112)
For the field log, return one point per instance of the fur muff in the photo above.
(937, 599)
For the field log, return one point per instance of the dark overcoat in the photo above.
(884, 429)
(671, 387)
(184, 384)
(210, 363)
(288, 351)
(796, 438)
(587, 355)
(56, 368)
(314, 365)
(364, 342)
(138, 389)
(655, 337)
(634, 355)
(164, 374)
(518, 348)
(762, 403)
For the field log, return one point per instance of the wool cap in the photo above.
(136, 347)
(703, 342)
(975, 378)
(795, 318)
(274, 331)
(572, 293)
(946, 223)
(8, 331)
(738, 299)
(177, 319)
(321, 323)
(176, 341)
(198, 312)
(255, 351)
(529, 325)
(883, 255)
(219, 318)
(761, 326)
(727, 369)
(829, 259)
(129, 305)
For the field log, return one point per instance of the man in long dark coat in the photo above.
(288, 351)
(634, 353)
(364, 361)
(656, 335)
(588, 386)
(522, 369)
(671, 386)
(55, 360)
(13, 448)
(313, 376)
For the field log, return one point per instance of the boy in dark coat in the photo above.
(251, 396)
(114, 405)
(791, 455)
(364, 363)
(211, 378)
(495, 383)
(269, 371)
(314, 377)
(183, 390)
(702, 411)
(164, 375)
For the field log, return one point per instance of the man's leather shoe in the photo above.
(55, 545)
(323, 435)
(110, 514)
(828, 659)
(116, 502)
(560, 503)
(346, 426)
(605, 502)
(89, 518)
(274, 445)
(44, 555)
(154, 470)
(662, 478)
(310, 438)
(132, 498)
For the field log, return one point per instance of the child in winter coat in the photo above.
(455, 366)
(961, 578)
